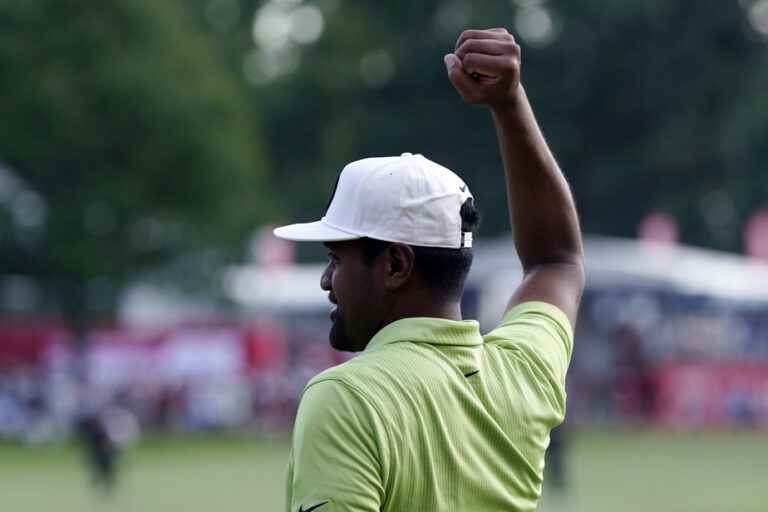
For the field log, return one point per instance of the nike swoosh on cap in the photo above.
(302, 509)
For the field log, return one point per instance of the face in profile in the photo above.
(350, 284)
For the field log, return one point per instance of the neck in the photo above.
(420, 305)
(424, 307)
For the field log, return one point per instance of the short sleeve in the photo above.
(542, 334)
(336, 459)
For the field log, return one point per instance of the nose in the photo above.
(325, 279)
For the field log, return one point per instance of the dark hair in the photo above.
(444, 270)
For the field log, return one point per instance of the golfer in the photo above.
(432, 415)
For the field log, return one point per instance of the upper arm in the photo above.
(336, 454)
(540, 335)
(559, 284)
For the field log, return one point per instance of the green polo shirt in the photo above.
(432, 416)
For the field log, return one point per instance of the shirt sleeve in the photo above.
(336, 459)
(541, 334)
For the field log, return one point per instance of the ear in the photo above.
(398, 266)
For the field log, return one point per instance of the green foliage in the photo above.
(648, 105)
(142, 144)
(134, 121)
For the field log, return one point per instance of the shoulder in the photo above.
(361, 374)
(540, 332)
(535, 315)
(377, 380)
(343, 387)
(335, 410)
(339, 449)
(326, 399)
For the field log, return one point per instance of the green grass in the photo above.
(654, 472)
(616, 471)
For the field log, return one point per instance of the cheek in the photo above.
(354, 293)
(344, 288)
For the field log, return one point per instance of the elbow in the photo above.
(571, 260)
(569, 268)
(576, 270)
(580, 272)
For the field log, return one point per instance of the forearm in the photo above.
(542, 212)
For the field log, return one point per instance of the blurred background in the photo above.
(154, 336)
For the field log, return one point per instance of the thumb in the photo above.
(451, 61)
(460, 80)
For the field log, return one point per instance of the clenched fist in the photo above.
(485, 67)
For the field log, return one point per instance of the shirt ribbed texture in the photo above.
(401, 428)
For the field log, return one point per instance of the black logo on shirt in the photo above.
(302, 509)
(471, 373)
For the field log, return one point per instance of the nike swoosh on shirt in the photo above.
(471, 373)
(310, 509)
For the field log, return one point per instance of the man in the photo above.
(101, 451)
(432, 415)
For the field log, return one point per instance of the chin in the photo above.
(339, 339)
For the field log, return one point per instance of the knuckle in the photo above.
(470, 58)
(511, 63)
(508, 46)
(465, 47)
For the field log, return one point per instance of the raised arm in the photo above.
(485, 69)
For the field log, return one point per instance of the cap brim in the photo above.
(317, 231)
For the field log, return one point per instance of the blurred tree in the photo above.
(127, 144)
(649, 105)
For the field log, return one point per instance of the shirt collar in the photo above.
(435, 331)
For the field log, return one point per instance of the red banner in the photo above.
(695, 396)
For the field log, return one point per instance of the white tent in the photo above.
(496, 271)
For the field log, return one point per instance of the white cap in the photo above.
(406, 198)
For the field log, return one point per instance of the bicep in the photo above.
(335, 456)
(559, 284)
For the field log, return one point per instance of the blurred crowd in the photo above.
(678, 360)
(642, 356)
(183, 379)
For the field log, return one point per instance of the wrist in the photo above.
(511, 105)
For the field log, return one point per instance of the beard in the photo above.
(339, 337)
